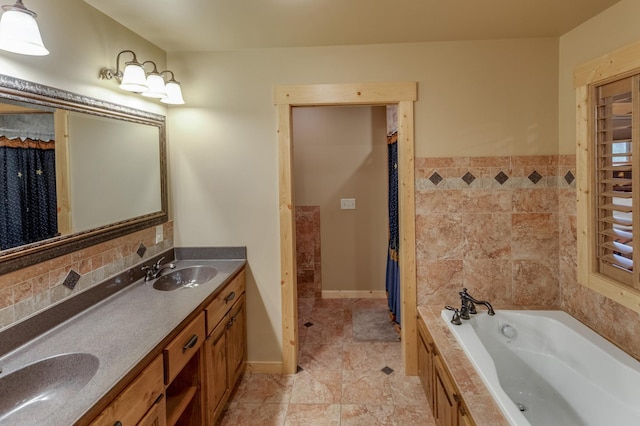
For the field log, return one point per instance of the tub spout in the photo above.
(468, 305)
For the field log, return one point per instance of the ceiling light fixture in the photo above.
(19, 32)
(135, 78)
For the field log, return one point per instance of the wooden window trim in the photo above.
(614, 65)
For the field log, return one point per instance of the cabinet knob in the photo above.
(230, 297)
(118, 423)
(191, 343)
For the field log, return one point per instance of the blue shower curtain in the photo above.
(28, 206)
(393, 268)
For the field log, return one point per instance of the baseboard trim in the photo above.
(264, 367)
(354, 294)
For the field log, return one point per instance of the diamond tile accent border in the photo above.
(387, 370)
(569, 177)
(468, 178)
(308, 324)
(435, 178)
(141, 250)
(534, 177)
(501, 178)
(72, 279)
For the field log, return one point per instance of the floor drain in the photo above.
(521, 407)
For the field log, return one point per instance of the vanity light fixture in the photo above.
(135, 78)
(19, 32)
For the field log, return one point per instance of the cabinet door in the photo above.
(425, 363)
(157, 414)
(217, 382)
(446, 400)
(236, 340)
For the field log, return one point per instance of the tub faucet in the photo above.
(154, 271)
(469, 305)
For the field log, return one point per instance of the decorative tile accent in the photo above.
(308, 324)
(387, 370)
(535, 177)
(299, 370)
(569, 177)
(468, 178)
(435, 178)
(501, 178)
(71, 280)
(141, 250)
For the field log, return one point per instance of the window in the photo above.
(608, 174)
(616, 132)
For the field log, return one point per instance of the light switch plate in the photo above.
(159, 235)
(347, 203)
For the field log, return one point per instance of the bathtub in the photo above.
(547, 368)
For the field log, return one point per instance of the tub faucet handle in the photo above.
(455, 319)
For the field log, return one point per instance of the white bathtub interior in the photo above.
(546, 368)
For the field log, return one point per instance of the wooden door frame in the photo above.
(403, 94)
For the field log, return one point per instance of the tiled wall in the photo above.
(34, 288)
(490, 224)
(505, 228)
(309, 277)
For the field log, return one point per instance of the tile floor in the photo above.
(340, 381)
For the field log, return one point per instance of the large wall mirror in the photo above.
(74, 171)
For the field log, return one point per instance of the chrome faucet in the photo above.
(154, 271)
(469, 305)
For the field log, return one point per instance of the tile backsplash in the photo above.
(28, 290)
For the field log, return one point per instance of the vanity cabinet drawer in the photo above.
(132, 403)
(224, 301)
(183, 347)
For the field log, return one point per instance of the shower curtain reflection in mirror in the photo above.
(28, 207)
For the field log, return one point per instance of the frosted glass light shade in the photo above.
(174, 94)
(156, 88)
(19, 33)
(134, 79)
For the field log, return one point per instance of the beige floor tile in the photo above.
(367, 415)
(363, 356)
(313, 415)
(320, 356)
(317, 387)
(264, 388)
(253, 414)
(366, 387)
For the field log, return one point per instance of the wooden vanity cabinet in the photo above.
(225, 348)
(142, 402)
(446, 403)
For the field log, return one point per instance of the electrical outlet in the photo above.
(347, 203)
(159, 235)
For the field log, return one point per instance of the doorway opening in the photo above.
(287, 97)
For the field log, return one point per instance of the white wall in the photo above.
(474, 99)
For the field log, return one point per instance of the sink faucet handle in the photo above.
(158, 263)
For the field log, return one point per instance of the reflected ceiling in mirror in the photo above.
(74, 171)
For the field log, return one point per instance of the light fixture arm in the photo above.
(108, 74)
(173, 77)
(20, 7)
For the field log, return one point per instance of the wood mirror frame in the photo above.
(14, 89)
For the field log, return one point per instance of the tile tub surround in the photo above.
(486, 235)
(490, 224)
(481, 405)
(139, 321)
(308, 265)
(29, 290)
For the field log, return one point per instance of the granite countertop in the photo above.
(120, 331)
(481, 405)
